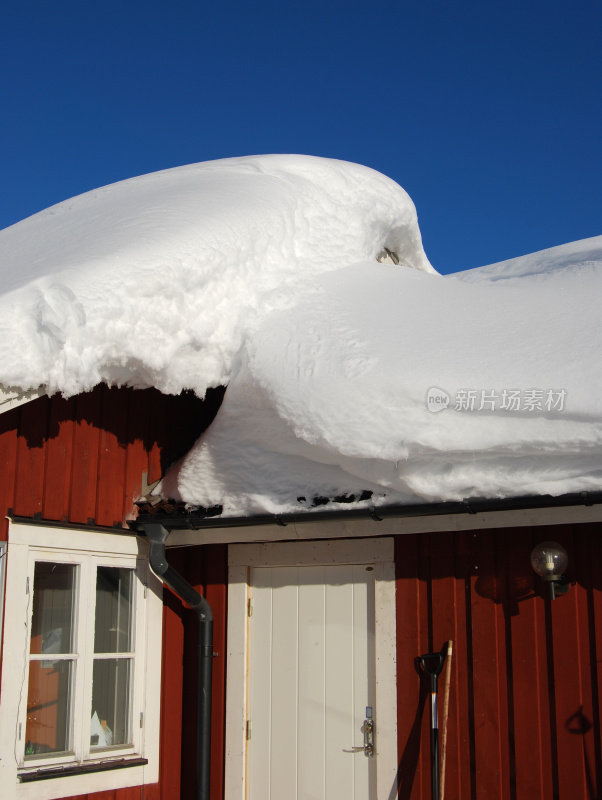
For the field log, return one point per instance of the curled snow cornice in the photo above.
(157, 280)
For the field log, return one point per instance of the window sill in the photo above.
(80, 769)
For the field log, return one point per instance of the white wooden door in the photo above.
(311, 681)
(313, 649)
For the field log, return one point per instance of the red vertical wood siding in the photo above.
(524, 713)
(206, 569)
(82, 460)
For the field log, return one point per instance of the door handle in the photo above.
(368, 747)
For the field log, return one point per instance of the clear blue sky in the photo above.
(489, 113)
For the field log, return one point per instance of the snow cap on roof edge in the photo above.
(157, 280)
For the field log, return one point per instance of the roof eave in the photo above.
(192, 521)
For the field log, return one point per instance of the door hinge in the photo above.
(248, 729)
(142, 719)
(27, 585)
(249, 607)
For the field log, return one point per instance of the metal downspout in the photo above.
(157, 535)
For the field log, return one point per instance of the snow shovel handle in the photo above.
(432, 664)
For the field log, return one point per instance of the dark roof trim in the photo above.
(91, 525)
(194, 520)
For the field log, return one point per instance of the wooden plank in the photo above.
(312, 653)
(172, 689)
(260, 684)
(188, 562)
(152, 791)
(568, 684)
(284, 711)
(464, 562)
(488, 668)
(444, 623)
(426, 646)
(595, 634)
(84, 476)
(215, 580)
(137, 454)
(363, 676)
(580, 725)
(59, 454)
(112, 456)
(8, 456)
(339, 778)
(411, 642)
(31, 457)
(527, 678)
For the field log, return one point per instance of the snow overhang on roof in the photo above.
(347, 372)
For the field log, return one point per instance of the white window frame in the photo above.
(3, 546)
(27, 545)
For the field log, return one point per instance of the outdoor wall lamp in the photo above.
(549, 560)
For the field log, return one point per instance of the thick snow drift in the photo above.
(344, 375)
(157, 281)
(415, 387)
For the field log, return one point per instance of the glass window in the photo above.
(62, 662)
(51, 679)
(114, 610)
(82, 663)
(111, 718)
(113, 658)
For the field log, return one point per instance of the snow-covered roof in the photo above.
(345, 375)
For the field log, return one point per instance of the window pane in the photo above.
(49, 708)
(114, 601)
(52, 618)
(111, 712)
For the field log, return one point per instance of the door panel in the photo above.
(311, 676)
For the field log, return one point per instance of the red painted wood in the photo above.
(206, 569)
(527, 675)
(139, 434)
(447, 602)
(153, 791)
(9, 422)
(111, 457)
(82, 459)
(522, 667)
(594, 584)
(411, 641)
(84, 475)
(59, 458)
(487, 666)
(215, 580)
(171, 697)
(587, 553)
(30, 463)
(572, 694)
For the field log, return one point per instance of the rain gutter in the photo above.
(198, 520)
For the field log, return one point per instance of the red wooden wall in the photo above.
(524, 713)
(82, 460)
(526, 676)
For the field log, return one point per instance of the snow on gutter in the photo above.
(471, 514)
